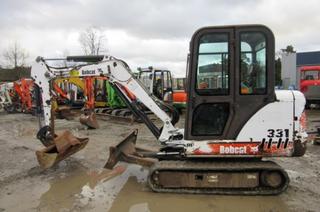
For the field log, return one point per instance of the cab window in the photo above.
(311, 75)
(213, 65)
(210, 119)
(166, 80)
(253, 74)
(145, 77)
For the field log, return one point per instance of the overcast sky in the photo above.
(149, 32)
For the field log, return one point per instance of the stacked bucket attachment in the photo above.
(232, 176)
(89, 119)
(61, 147)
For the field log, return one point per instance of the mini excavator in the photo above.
(16, 96)
(5, 98)
(234, 120)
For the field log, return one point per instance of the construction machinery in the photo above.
(17, 96)
(310, 84)
(158, 81)
(179, 93)
(5, 98)
(88, 118)
(70, 88)
(234, 117)
(66, 87)
(23, 88)
(109, 103)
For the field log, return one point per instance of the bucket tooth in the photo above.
(127, 151)
(64, 145)
(90, 120)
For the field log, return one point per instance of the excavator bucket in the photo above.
(127, 151)
(64, 112)
(63, 146)
(90, 120)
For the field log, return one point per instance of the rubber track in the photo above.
(219, 166)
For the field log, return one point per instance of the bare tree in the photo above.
(92, 41)
(15, 55)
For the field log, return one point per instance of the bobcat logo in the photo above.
(254, 149)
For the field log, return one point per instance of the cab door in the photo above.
(231, 76)
(162, 85)
(167, 87)
(211, 84)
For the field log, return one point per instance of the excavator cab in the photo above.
(100, 92)
(158, 82)
(231, 77)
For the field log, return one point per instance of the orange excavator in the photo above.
(85, 84)
(179, 94)
(88, 118)
(23, 88)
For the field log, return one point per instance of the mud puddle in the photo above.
(76, 188)
(78, 183)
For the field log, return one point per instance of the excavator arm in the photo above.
(119, 75)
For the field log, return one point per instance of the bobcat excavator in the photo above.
(234, 117)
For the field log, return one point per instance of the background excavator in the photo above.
(17, 96)
(66, 88)
(234, 117)
(158, 81)
(5, 98)
(179, 93)
(23, 89)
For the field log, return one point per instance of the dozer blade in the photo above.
(64, 145)
(89, 120)
(127, 151)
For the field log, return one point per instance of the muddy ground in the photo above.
(73, 184)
